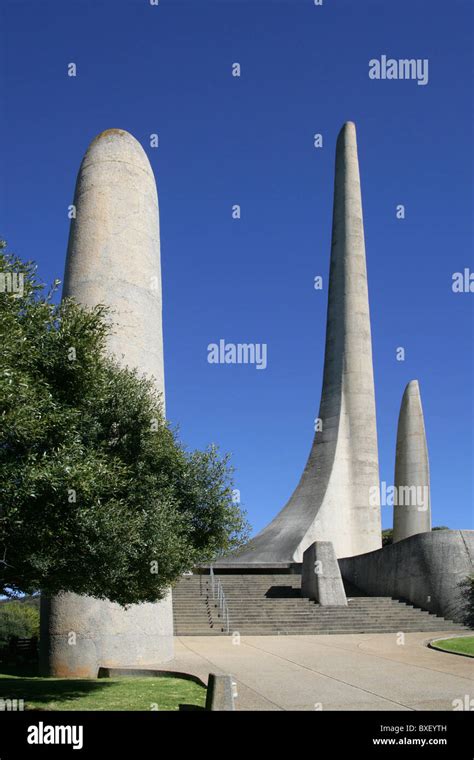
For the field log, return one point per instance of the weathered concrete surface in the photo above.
(320, 575)
(343, 672)
(426, 569)
(79, 634)
(220, 693)
(114, 259)
(412, 509)
(332, 501)
(113, 255)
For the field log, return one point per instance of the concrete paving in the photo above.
(340, 672)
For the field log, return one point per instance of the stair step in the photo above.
(273, 605)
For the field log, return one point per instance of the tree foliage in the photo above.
(467, 593)
(98, 496)
(387, 537)
(18, 619)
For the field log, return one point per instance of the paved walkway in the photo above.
(347, 672)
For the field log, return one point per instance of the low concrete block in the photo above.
(220, 693)
(320, 576)
(425, 569)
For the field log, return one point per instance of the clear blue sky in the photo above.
(225, 140)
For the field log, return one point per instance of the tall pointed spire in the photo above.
(412, 510)
(337, 498)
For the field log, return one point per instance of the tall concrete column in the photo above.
(114, 259)
(337, 498)
(412, 508)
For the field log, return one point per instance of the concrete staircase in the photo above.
(272, 605)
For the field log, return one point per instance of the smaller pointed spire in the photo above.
(412, 501)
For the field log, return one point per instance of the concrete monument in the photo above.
(113, 259)
(332, 501)
(412, 510)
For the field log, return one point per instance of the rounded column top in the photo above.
(117, 145)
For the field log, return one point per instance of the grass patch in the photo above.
(461, 645)
(121, 693)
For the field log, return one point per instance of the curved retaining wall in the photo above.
(425, 569)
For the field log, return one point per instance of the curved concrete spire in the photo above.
(337, 498)
(412, 508)
(113, 259)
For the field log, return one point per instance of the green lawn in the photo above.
(102, 693)
(461, 645)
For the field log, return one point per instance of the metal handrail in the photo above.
(217, 588)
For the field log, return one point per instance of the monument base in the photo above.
(80, 634)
